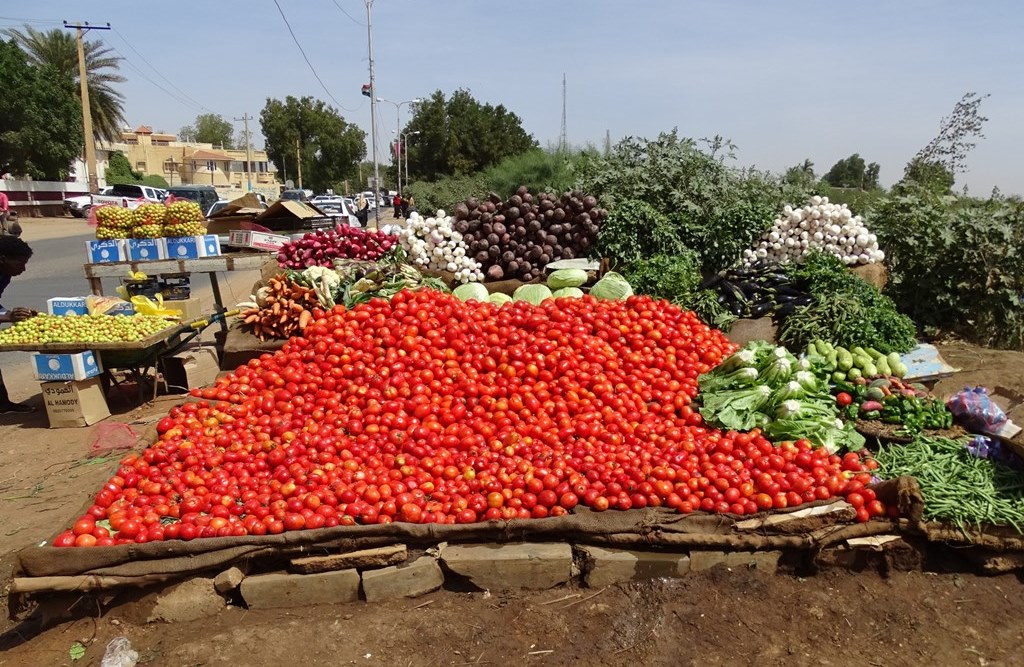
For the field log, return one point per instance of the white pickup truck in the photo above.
(128, 196)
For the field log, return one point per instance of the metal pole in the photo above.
(83, 82)
(298, 160)
(406, 151)
(248, 151)
(373, 111)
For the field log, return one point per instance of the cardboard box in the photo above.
(79, 403)
(147, 250)
(192, 247)
(258, 240)
(195, 367)
(64, 367)
(67, 305)
(109, 250)
(122, 308)
(190, 308)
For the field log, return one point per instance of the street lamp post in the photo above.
(405, 144)
(398, 128)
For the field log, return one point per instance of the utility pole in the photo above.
(298, 161)
(607, 142)
(563, 138)
(373, 114)
(248, 149)
(90, 140)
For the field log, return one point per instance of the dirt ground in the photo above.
(721, 617)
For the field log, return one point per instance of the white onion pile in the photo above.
(432, 243)
(821, 225)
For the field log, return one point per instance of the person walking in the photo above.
(362, 210)
(14, 256)
(5, 211)
(408, 207)
(397, 201)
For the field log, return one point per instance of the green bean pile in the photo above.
(957, 486)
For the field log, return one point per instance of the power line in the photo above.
(169, 82)
(176, 98)
(12, 18)
(350, 17)
(306, 58)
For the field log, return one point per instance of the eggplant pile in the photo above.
(758, 290)
(519, 237)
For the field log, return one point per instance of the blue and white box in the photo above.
(108, 250)
(193, 247)
(147, 250)
(66, 367)
(67, 305)
(122, 308)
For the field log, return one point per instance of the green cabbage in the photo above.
(471, 291)
(567, 278)
(499, 299)
(532, 293)
(611, 286)
(574, 292)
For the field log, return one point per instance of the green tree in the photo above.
(119, 170)
(40, 118)
(801, 174)
(209, 128)
(331, 148)
(931, 175)
(155, 181)
(460, 136)
(58, 49)
(846, 173)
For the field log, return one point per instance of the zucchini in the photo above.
(853, 374)
(883, 366)
(844, 360)
(869, 370)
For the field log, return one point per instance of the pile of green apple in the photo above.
(43, 329)
(184, 218)
(113, 222)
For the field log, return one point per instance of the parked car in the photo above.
(343, 213)
(128, 195)
(295, 195)
(79, 206)
(326, 199)
(205, 195)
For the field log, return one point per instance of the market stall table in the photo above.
(136, 357)
(253, 261)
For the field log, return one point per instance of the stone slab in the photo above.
(421, 576)
(610, 566)
(188, 601)
(535, 566)
(228, 580)
(272, 591)
(364, 558)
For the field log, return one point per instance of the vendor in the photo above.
(14, 255)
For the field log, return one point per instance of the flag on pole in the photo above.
(366, 90)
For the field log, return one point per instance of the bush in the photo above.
(635, 232)
(155, 181)
(718, 211)
(956, 264)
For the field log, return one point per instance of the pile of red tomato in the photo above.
(425, 408)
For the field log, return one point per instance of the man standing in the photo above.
(14, 255)
(397, 201)
(5, 211)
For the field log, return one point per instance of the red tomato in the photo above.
(843, 399)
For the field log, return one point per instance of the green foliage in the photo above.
(40, 118)
(709, 309)
(929, 175)
(853, 173)
(801, 175)
(847, 311)
(155, 181)
(58, 48)
(119, 170)
(461, 136)
(957, 264)
(674, 278)
(635, 232)
(949, 148)
(330, 147)
(446, 193)
(717, 210)
(209, 128)
(861, 202)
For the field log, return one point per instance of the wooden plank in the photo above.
(150, 341)
(228, 262)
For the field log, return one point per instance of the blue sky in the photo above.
(783, 80)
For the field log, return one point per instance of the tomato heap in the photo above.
(425, 408)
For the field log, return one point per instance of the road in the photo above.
(55, 270)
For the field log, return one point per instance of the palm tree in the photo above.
(58, 48)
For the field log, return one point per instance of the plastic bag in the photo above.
(984, 447)
(146, 306)
(99, 305)
(112, 436)
(119, 653)
(976, 411)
